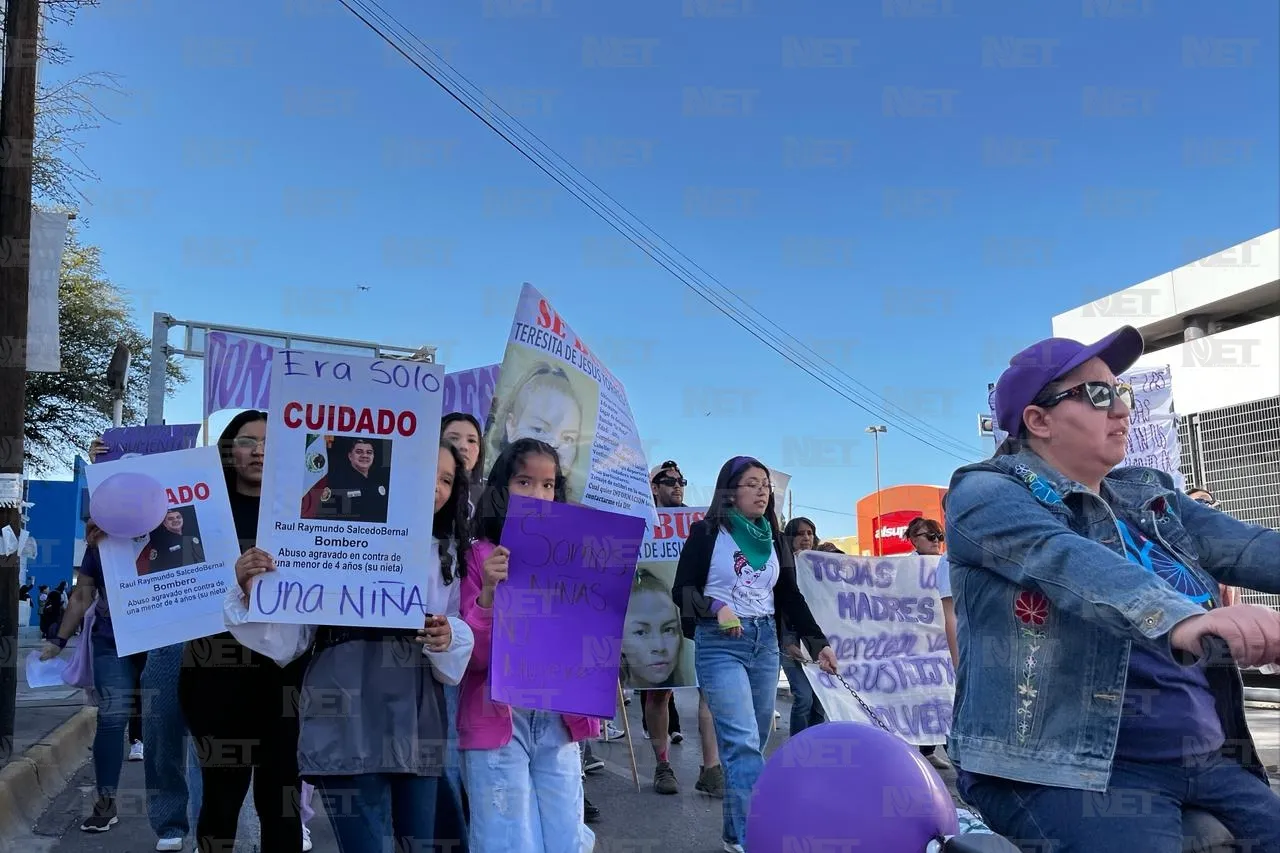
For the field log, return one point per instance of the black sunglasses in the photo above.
(1100, 395)
(672, 481)
(932, 537)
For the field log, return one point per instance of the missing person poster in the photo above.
(551, 387)
(167, 587)
(656, 655)
(348, 488)
(883, 618)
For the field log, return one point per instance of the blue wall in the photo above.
(56, 526)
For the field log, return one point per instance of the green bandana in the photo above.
(753, 538)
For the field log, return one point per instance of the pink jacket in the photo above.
(483, 723)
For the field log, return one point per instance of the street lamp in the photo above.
(875, 527)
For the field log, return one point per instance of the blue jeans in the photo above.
(739, 678)
(168, 762)
(1141, 810)
(451, 823)
(806, 710)
(526, 797)
(381, 811)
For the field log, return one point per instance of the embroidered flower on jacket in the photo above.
(1031, 608)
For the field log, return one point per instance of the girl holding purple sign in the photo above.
(525, 764)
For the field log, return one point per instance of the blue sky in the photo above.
(271, 156)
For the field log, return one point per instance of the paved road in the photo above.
(631, 822)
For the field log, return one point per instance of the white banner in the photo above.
(551, 387)
(1153, 432)
(347, 490)
(48, 240)
(167, 587)
(883, 618)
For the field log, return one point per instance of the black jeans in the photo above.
(241, 708)
(135, 717)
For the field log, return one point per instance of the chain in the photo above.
(866, 709)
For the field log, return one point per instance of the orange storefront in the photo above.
(882, 523)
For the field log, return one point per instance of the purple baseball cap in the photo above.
(1053, 358)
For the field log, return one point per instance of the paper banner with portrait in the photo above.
(167, 587)
(883, 619)
(348, 487)
(552, 388)
(655, 653)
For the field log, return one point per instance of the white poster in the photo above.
(552, 388)
(167, 587)
(1153, 425)
(48, 240)
(348, 489)
(883, 618)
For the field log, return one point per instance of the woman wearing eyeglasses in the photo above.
(735, 581)
(1098, 694)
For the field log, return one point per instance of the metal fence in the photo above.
(1234, 452)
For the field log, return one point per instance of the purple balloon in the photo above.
(888, 799)
(128, 505)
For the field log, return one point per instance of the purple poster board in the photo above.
(557, 620)
(145, 440)
(471, 391)
(237, 372)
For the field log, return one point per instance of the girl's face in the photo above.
(549, 415)
(805, 540)
(247, 450)
(535, 477)
(462, 435)
(446, 473)
(651, 637)
(752, 495)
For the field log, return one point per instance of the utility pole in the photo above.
(876, 547)
(17, 133)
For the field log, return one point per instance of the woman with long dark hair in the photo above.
(802, 534)
(735, 582)
(240, 706)
(463, 432)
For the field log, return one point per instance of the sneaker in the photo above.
(306, 839)
(591, 763)
(169, 844)
(940, 762)
(664, 779)
(590, 813)
(733, 847)
(612, 732)
(103, 817)
(677, 737)
(711, 782)
(136, 752)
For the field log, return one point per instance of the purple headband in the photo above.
(737, 463)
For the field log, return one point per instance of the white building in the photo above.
(1216, 323)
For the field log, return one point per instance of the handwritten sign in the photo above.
(883, 619)
(655, 653)
(1153, 424)
(347, 490)
(471, 391)
(237, 373)
(558, 616)
(167, 587)
(127, 442)
(552, 387)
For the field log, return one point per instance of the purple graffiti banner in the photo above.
(237, 373)
(471, 391)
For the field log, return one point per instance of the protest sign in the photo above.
(1153, 424)
(471, 391)
(883, 619)
(552, 388)
(558, 616)
(655, 653)
(237, 372)
(128, 442)
(348, 489)
(167, 587)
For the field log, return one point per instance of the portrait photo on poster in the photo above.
(655, 652)
(347, 478)
(174, 544)
(552, 402)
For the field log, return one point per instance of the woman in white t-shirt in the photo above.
(735, 580)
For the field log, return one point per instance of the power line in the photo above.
(507, 127)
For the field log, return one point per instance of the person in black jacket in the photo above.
(735, 583)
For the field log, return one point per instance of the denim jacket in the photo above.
(1048, 606)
